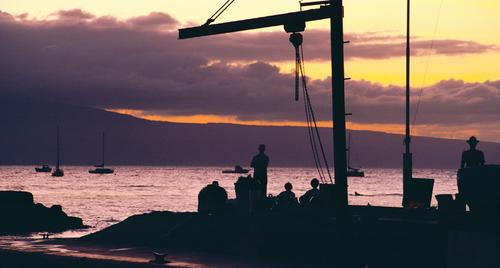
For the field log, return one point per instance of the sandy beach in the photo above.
(68, 252)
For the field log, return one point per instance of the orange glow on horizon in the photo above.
(419, 130)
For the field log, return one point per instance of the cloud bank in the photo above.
(79, 58)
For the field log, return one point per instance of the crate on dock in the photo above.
(420, 192)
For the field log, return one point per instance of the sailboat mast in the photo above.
(102, 149)
(407, 158)
(349, 151)
(57, 148)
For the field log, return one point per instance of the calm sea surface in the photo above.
(103, 200)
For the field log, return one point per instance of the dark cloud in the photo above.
(274, 46)
(107, 63)
(73, 14)
(6, 17)
(450, 102)
(154, 21)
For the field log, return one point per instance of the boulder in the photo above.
(19, 214)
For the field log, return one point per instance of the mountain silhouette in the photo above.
(29, 131)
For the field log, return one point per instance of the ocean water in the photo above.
(103, 200)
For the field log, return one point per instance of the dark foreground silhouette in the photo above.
(20, 215)
(378, 237)
(472, 157)
(259, 164)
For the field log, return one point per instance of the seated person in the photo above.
(286, 200)
(212, 198)
(311, 196)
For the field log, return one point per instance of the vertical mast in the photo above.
(407, 158)
(349, 150)
(338, 98)
(102, 150)
(57, 149)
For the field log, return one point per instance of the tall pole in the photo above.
(407, 157)
(57, 147)
(338, 99)
(102, 149)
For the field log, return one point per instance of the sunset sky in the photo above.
(123, 55)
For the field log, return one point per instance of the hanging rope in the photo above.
(315, 141)
(219, 11)
(429, 54)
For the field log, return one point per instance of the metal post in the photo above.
(407, 157)
(57, 147)
(102, 149)
(338, 99)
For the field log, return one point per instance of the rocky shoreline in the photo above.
(20, 215)
(301, 237)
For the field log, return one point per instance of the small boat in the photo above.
(58, 172)
(100, 169)
(43, 168)
(352, 172)
(237, 170)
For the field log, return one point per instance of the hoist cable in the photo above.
(308, 100)
(311, 136)
(219, 11)
(312, 127)
(310, 132)
(429, 54)
(312, 141)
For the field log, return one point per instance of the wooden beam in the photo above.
(323, 12)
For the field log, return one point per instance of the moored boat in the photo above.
(58, 172)
(237, 170)
(43, 168)
(100, 169)
(354, 172)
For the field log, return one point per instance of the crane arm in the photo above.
(292, 21)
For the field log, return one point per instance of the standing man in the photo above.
(259, 164)
(472, 157)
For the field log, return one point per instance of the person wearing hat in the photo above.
(472, 157)
(259, 164)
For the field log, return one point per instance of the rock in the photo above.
(15, 198)
(20, 215)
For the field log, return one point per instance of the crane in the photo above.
(296, 22)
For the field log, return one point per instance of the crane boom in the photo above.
(323, 12)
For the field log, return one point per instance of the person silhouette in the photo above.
(311, 195)
(472, 157)
(259, 164)
(212, 198)
(286, 200)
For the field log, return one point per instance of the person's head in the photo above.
(262, 148)
(472, 141)
(314, 183)
(288, 186)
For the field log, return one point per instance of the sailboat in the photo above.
(100, 169)
(352, 172)
(58, 172)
